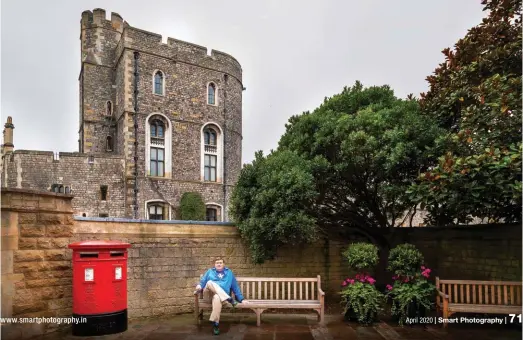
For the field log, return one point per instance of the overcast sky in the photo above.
(293, 54)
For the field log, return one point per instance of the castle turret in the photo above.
(8, 145)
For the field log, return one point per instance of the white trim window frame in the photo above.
(217, 207)
(154, 83)
(162, 203)
(215, 95)
(209, 152)
(158, 144)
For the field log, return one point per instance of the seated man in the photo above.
(217, 283)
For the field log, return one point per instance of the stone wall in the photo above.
(166, 257)
(475, 252)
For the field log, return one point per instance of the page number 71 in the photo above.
(512, 316)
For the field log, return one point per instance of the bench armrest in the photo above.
(443, 295)
(322, 293)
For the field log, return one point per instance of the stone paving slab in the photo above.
(292, 327)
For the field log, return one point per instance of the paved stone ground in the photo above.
(293, 327)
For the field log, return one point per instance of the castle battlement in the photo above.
(141, 40)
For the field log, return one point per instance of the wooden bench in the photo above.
(482, 297)
(274, 293)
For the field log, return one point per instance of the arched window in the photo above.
(213, 212)
(157, 210)
(211, 153)
(109, 144)
(109, 108)
(158, 152)
(158, 85)
(211, 94)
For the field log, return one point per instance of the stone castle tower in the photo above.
(156, 120)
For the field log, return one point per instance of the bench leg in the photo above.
(258, 312)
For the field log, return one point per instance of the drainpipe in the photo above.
(225, 77)
(136, 55)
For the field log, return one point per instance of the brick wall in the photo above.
(475, 252)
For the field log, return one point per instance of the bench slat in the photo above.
(507, 283)
(301, 290)
(499, 295)
(480, 290)
(259, 289)
(492, 295)
(463, 307)
(455, 293)
(306, 290)
(295, 292)
(518, 296)
(468, 293)
(462, 298)
(474, 293)
(277, 279)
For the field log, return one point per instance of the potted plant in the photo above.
(411, 293)
(360, 298)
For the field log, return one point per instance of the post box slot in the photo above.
(117, 254)
(82, 255)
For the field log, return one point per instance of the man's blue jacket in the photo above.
(224, 279)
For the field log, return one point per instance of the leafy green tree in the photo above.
(271, 203)
(346, 165)
(192, 207)
(476, 95)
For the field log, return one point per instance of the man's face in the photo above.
(218, 265)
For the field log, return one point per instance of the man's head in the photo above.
(219, 263)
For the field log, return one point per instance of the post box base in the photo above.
(101, 324)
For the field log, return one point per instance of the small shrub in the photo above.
(405, 260)
(192, 207)
(359, 295)
(362, 256)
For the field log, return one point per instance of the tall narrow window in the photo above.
(211, 153)
(158, 158)
(109, 108)
(211, 94)
(158, 83)
(103, 192)
(109, 143)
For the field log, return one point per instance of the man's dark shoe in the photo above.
(215, 328)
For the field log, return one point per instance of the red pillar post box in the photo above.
(100, 287)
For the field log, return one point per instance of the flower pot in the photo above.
(351, 315)
(413, 310)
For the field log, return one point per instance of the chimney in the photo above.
(8, 136)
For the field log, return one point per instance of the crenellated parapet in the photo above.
(95, 44)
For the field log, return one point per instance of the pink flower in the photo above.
(351, 281)
(371, 280)
(344, 283)
(389, 287)
(422, 267)
(406, 280)
(395, 277)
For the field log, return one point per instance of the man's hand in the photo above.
(246, 302)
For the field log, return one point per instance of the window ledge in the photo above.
(158, 95)
(159, 178)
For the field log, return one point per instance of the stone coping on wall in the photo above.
(129, 220)
(119, 228)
